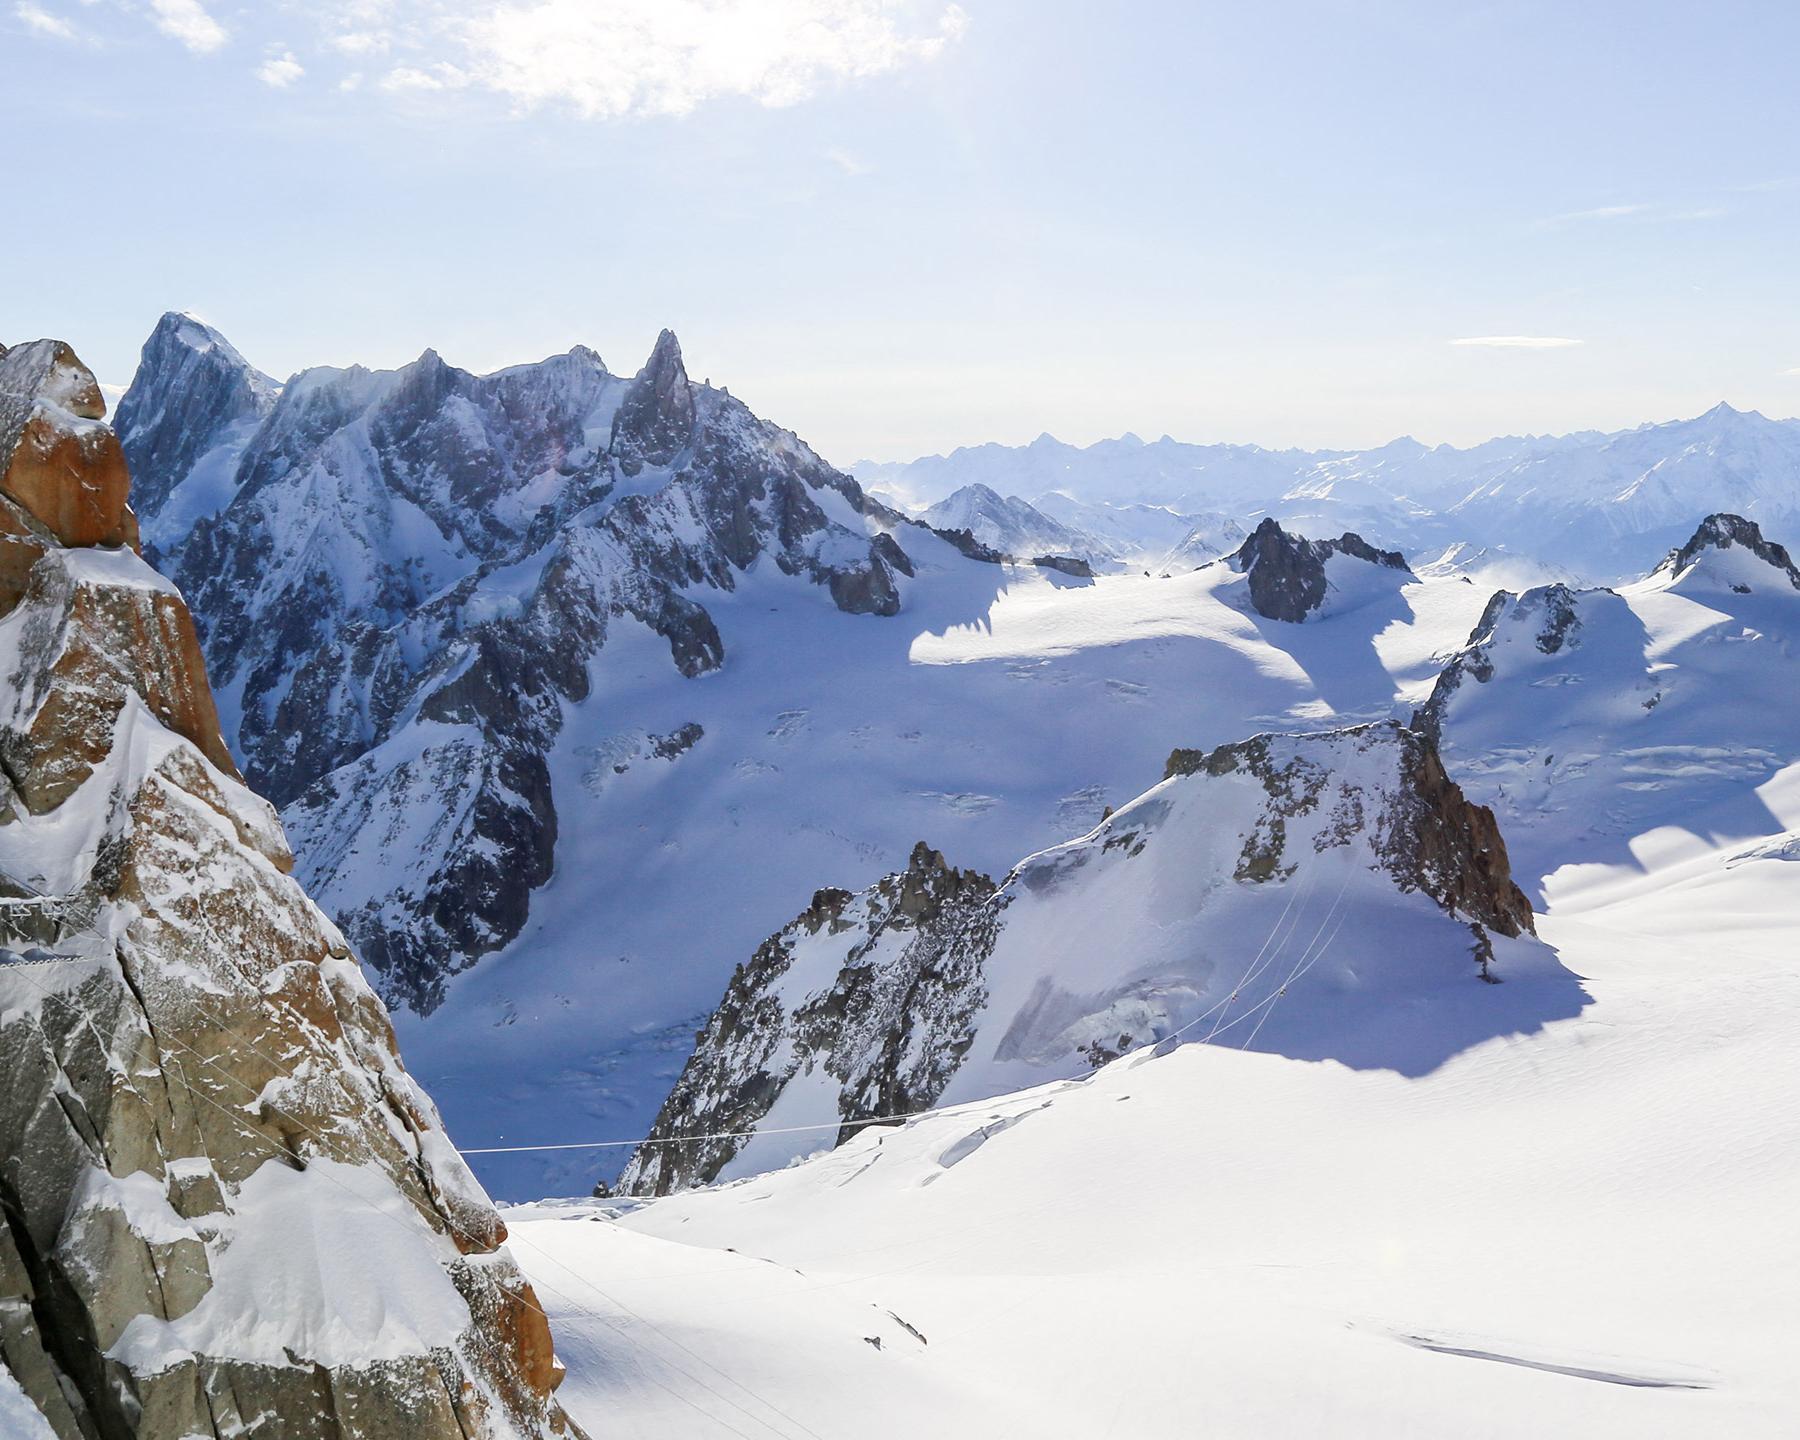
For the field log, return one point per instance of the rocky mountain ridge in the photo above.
(206, 1134)
(937, 984)
(1627, 702)
(413, 571)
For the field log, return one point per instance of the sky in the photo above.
(900, 226)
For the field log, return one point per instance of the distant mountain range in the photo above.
(1606, 506)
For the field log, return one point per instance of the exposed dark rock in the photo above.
(656, 417)
(966, 542)
(1722, 532)
(891, 1034)
(1066, 565)
(1287, 573)
(1550, 613)
(677, 742)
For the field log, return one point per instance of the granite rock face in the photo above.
(408, 573)
(62, 473)
(223, 1202)
(903, 962)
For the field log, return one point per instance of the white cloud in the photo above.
(281, 71)
(665, 57)
(411, 77)
(1794, 372)
(41, 22)
(1643, 214)
(1518, 342)
(1601, 212)
(188, 22)
(846, 162)
(360, 42)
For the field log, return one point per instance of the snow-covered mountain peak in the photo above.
(1009, 525)
(1728, 552)
(192, 404)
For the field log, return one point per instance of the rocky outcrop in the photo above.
(655, 419)
(1428, 837)
(1724, 532)
(1546, 616)
(1287, 574)
(400, 663)
(224, 1204)
(903, 964)
(1069, 565)
(62, 473)
(1297, 892)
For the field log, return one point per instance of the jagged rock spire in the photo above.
(191, 387)
(656, 418)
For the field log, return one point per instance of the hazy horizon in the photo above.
(903, 226)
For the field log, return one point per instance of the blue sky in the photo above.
(902, 225)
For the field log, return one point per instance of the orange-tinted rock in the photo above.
(22, 545)
(93, 641)
(58, 459)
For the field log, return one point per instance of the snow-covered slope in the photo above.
(1584, 1230)
(999, 712)
(226, 1205)
(1346, 860)
(1604, 725)
(1581, 1228)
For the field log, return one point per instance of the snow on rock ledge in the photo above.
(222, 1198)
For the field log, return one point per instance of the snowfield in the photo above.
(1586, 1230)
(998, 713)
(1577, 1227)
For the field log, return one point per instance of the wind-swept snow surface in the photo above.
(1579, 1228)
(1584, 1231)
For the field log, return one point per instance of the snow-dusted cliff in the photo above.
(1331, 895)
(223, 1200)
